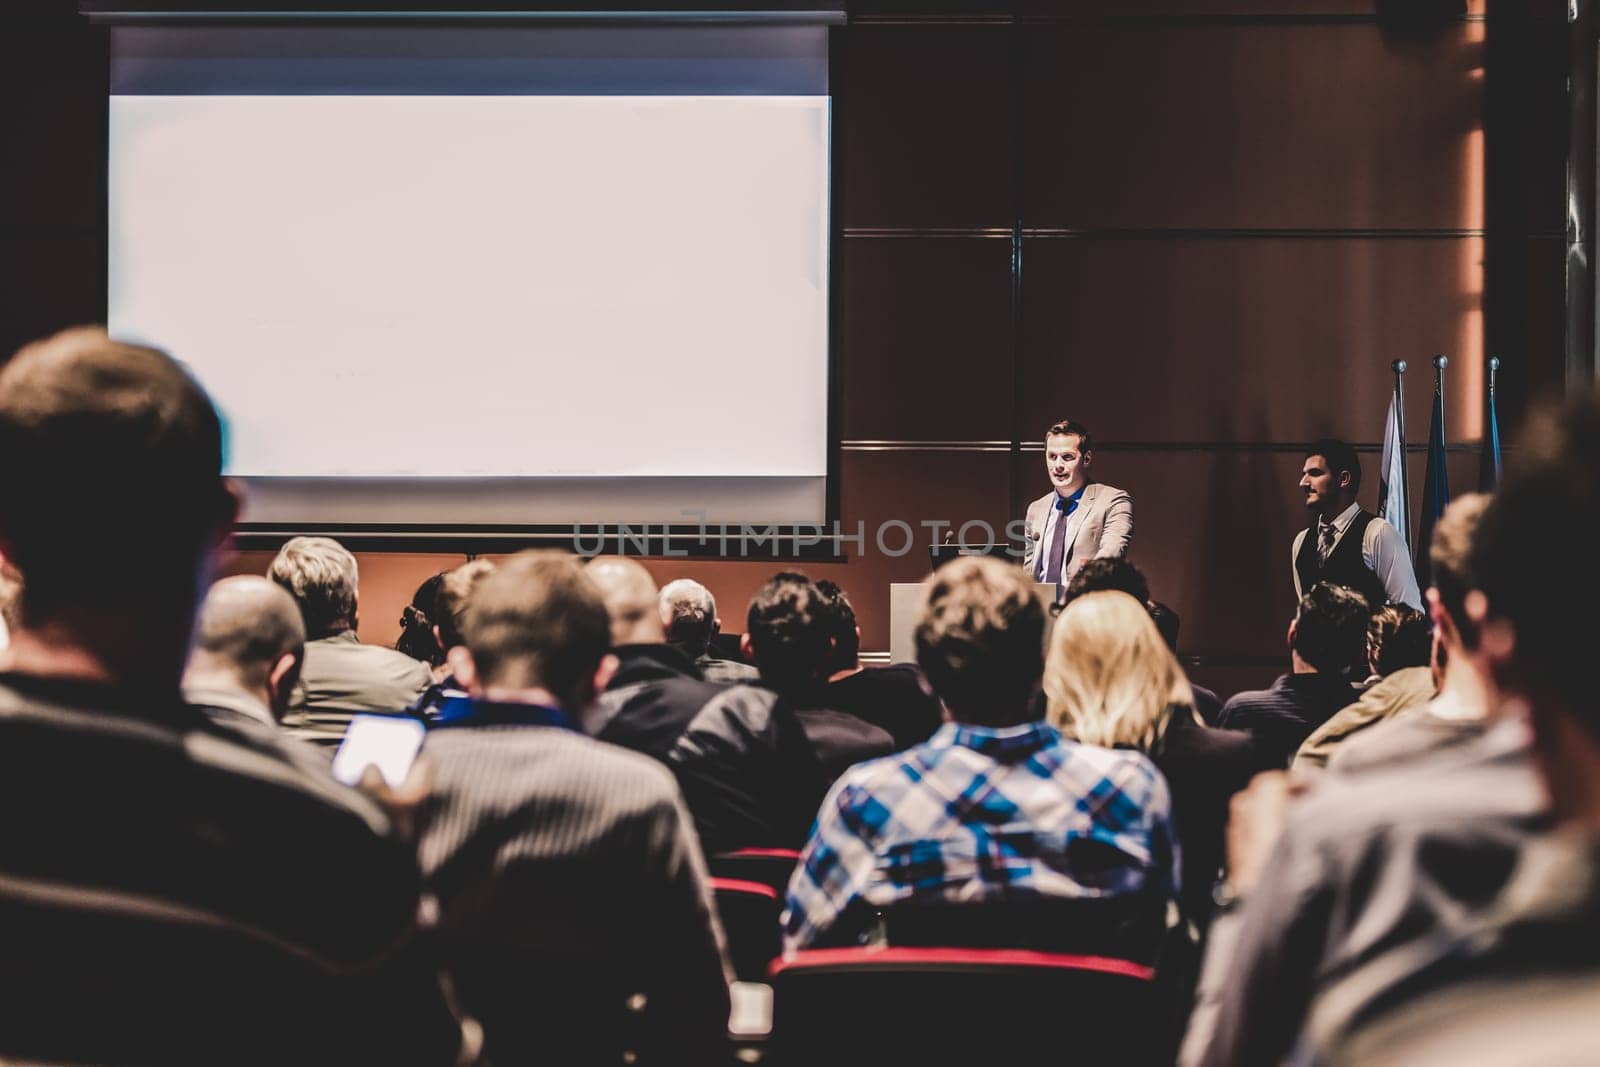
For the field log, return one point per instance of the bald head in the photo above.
(689, 612)
(249, 634)
(631, 602)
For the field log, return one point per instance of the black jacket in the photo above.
(748, 774)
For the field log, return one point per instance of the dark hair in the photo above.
(1109, 573)
(1399, 637)
(841, 622)
(416, 624)
(1074, 427)
(538, 621)
(788, 624)
(1331, 629)
(1450, 553)
(1339, 456)
(1167, 622)
(456, 587)
(980, 640)
(112, 474)
(1534, 553)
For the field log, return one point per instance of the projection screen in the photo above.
(454, 275)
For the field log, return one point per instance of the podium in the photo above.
(905, 609)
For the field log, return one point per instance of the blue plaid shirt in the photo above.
(974, 813)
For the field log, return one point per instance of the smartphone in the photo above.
(387, 742)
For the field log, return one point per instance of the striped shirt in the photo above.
(569, 877)
(978, 813)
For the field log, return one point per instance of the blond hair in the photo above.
(1109, 678)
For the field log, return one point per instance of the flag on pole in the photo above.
(1436, 485)
(1392, 481)
(1489, 475)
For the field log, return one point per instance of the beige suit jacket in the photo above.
(1102, 525)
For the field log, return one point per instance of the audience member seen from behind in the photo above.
(445, 698)
(1110, 680)
(788, 635)
(1107, 573)
(1327, 642)
(342, 677)
(165, 880)
(1525, 986)
(689, 612)
(1466, 692)
(896, 699)
(744, 764)
(416, 627)
(568, 875)
(248, 644)
(10, 601)
(1399, 652)
(1048, 818)
(1350, 899)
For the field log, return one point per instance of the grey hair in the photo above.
(689, 612)
(321, 575)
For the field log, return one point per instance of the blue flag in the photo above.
(1435, 491)
(1392, 503)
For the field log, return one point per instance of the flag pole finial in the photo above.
(1399, 366)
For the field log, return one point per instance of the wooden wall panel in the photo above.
(48, 283)
(918, 315)
(52, 127)
(1212, 533)
(920, 145)
(1248, 339)
(1306, 9)
(1252, 125)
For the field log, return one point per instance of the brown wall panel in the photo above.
(919, 314)
(921, 144)
(1212, 532)
(1253, 125)
(1306, 9)
(53, 85)
(46, 284)
(1248, 340)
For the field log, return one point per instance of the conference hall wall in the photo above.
(1204, 227)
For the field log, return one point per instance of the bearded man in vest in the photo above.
(1346, 544)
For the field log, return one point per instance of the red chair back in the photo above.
(876, 1005)
(770, 866)
(749, 913)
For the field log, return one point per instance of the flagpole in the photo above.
(1439, 364)
(1399, 366)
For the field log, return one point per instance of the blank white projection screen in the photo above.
(485, 287)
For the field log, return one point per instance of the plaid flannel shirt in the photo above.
(975, 813)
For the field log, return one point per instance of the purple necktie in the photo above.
(1058, 546)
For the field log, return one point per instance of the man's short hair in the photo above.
(1534, 554)
(689, 612)
(841, 620)
(247, 624)
(1074, 427)
(1450, 553)
(980, 640)
(1339, 456)
(10, 596)
(1109, 573)
(788, 629)
(1331, 628)
(450, 602)
(321, 575)
(1399, 637)
(111, 476)
(537, 621)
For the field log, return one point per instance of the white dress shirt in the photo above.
(1381, 550)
